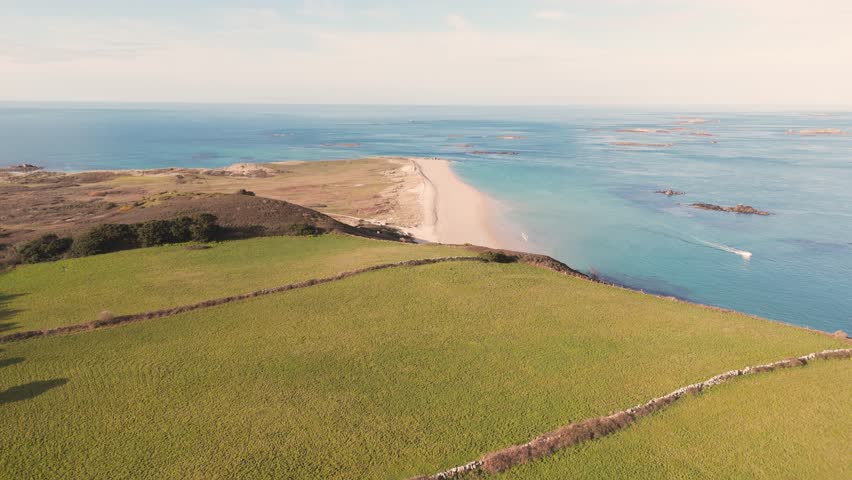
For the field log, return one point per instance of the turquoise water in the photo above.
(573, 193)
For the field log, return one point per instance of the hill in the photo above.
(72, 291)
(387, 374)
(369, 192)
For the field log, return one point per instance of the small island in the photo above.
(743, 209)
(670, 192)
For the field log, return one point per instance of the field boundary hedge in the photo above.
(593, 428)
(166, 312)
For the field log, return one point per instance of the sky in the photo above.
(464, 52)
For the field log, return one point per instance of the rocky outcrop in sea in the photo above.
(743, 209)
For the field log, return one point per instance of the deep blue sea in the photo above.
(571, 189)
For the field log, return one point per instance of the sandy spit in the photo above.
(453, 211)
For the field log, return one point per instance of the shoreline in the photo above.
(420, 196)
(453, 212)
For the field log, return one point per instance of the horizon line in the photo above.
(789, 107)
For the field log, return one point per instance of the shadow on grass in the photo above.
(6, 313)
(7, 326)
(5, 362)
(30, 390)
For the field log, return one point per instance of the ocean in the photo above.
(576, 183)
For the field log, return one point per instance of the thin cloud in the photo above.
(457, 22)
(669, 57)
(551, 15)
(323, 9)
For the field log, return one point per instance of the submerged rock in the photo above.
(744, 209)
(670, 192)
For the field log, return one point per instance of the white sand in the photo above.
(453, 211)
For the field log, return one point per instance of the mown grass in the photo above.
(788, 424)
(384, 375)
(78, 290)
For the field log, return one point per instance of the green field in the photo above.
(383, 375)
(788, 424)
(76, 291)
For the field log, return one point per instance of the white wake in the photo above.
(718, 246)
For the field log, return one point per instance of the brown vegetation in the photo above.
(240, 215)
(545, 445)
(534, 259)
(36, 202)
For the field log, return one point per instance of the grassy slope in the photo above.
(384, 375)
(75, 291)
(788, 424)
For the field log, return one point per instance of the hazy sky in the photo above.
(650, 52)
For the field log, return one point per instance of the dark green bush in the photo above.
(113, 237)
(109, 237)
(497, 257)
(155, 232)
(203, 227)
(303, 229)
(180, 229)
(44, 249)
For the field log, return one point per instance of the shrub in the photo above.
(243, 191)
(180, 229)
(203, 227)
(44, 249)
(112, 237)
(109, 237)
(155, 232)
(303, 229)
(497, 257)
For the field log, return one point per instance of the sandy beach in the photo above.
(453, 211)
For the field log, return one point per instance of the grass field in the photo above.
(76, 291)
(383, 375)
(788, 424)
